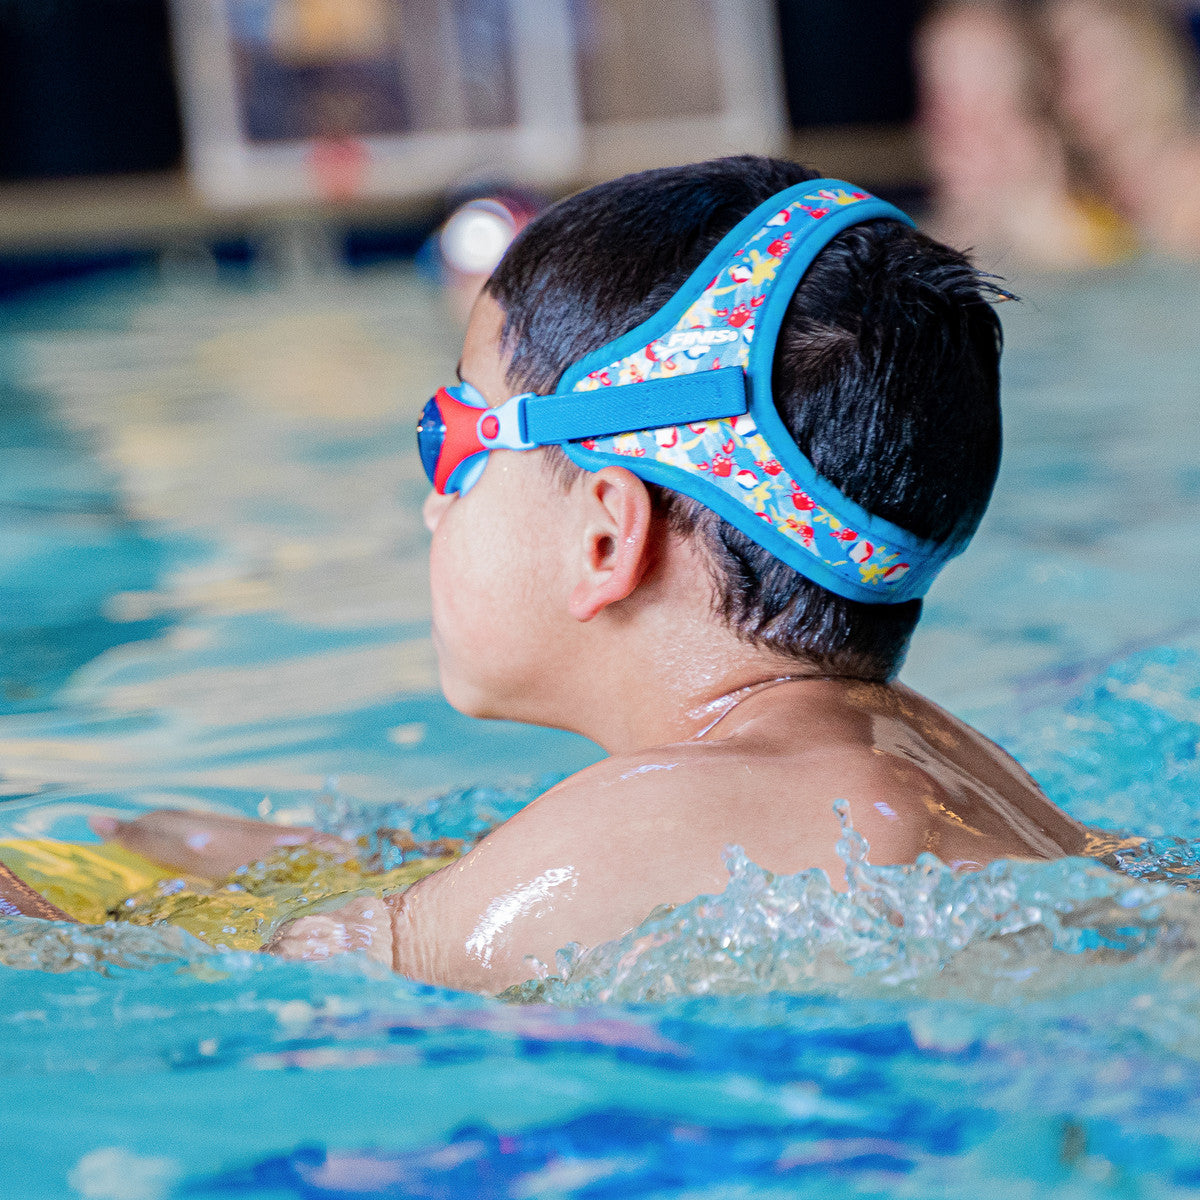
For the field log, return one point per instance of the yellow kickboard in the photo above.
(85, 881)
(102, 882)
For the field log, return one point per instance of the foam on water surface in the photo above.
(213, 581)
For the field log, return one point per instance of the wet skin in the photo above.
(572, 606)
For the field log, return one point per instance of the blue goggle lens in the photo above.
(431, 433)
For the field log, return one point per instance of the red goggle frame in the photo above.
(456, 431)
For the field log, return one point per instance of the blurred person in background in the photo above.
(998, 165)
(1059, 132)
(1124, 92)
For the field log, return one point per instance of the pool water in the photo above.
(212, 595)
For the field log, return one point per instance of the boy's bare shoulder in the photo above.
(776, 801)
(629, 807)
(593, 856)
(584, 862)
(926, 782)
(629, 779)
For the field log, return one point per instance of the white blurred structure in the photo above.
(301, 100)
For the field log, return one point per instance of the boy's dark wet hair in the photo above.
(886, 373)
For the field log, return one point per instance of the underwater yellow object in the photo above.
(98, 883)
(1107, 236)
(85, 881)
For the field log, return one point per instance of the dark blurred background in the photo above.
(92, 153)
(86, 86)
(88, 94)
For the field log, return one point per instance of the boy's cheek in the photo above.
(459, 628)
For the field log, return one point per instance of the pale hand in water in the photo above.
(363, 926)
(210, 845)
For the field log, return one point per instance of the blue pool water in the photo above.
(212, 595)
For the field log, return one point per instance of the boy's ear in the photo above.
(615, 544)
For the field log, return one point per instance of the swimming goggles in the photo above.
(684, 401)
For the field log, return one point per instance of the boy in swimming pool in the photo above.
(718, 427)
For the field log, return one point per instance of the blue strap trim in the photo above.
(624, 408)
(663, 321)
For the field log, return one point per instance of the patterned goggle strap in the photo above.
(745, 466)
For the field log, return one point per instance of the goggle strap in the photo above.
(653, 404)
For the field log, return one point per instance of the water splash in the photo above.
(894, 926)
(55, 946)
(1013, 927)
(242, 911)
(451, 822)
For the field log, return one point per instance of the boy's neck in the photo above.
(683, 690)
(715, 712)
(661, 666)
